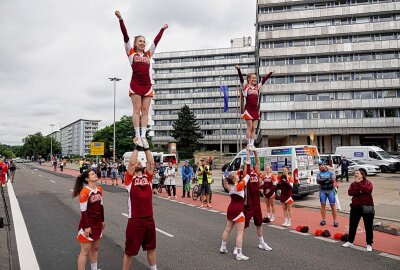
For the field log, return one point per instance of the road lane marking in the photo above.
(125, 214)
(71, 190)
(391, 256)
(52, 181)
(277, 227)
(214, 211)
(163, 232)
(26, 254)
(296, 232)
(360, 248)
(40, 175)
(326, 239)
(222, 213)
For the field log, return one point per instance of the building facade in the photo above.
(337, 72)
(56, 135)
(194, 78)
(76, 137)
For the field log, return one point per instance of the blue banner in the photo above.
(224, 89)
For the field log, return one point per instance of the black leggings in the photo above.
(168, 188)
(355, 216)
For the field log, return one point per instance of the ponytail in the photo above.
(80, 180)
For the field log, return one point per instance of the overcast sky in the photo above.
(56, 56)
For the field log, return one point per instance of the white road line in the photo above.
(214, 211)
(277, 227)
(40, 175)
(191, 205)
(125, 214)
(52, 181)
(223, 213)
(296, 232)
(26, 254)
(360, 248)
(326, 239)
(163, 232)
(391, 256)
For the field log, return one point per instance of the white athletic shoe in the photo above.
(138, 141)
(284, 224)
(264, 246)
(241, 257)
(145, 143)
(369, 248)
(223, 250)
(288, 224)
(234, 252)
(272, 219)
(347, 245)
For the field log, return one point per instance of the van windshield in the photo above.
(383, 154)
(157, 159)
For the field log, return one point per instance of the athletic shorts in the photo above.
(327, 194)
(253, 212)
(142, 92)
(205, 188)
(140, 232)
(251, 115)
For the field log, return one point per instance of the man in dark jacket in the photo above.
(344, 164)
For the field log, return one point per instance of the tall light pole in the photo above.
(115, 80)
(51, 141)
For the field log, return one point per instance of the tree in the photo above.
(186, 131)
(38, 145)
(124, 134)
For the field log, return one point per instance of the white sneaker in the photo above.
(272, 219)
(284, 224)
(264, 246)
(234, 252)
(223, 250)
(138, 141)
(241, 257)
(169, 197)
(369, 248)
(347, 245)
(145, 143)
(288, 224)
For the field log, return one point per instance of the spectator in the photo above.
(195, 167)
(156, 181)
(326, 180)
(161, 172)
(187, 174)
(362, 205)
(3, 172)
(170, 175)
(122, 171)
(113, 173)
(210, 162)
(344, 164)
(85, 165)
(103, 169)
(55, 164)
(12, 169)
(80, 165)
(204, 175)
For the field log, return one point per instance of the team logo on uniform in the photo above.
(95, 198)
(141, 59)
(141, 181)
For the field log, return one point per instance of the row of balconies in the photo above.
(373, 65)
(330, 104)
(205, 63)
(195, 84)
(359, 47)
(232, 94)
(175, 75)
(334, 13)
(203, 127)
(330, 30)
(315, 87)
(206, 52)
(210, 139)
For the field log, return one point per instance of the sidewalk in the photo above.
(305, 217)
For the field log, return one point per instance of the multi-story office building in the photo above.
(337, 72)
(76, 137)
(56, 135)
(194, 78)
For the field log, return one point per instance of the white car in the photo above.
(367, 168)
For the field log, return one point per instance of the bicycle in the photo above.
(196, 191)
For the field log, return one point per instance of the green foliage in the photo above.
(38, 145)
(7, 151)
(186, 131)
(124, 134)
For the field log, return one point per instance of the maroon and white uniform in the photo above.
(269, 183)
(252, 207)
(92, 214)
(286, 191)
(141, 229)
(235, 210)
(140, 63)
(250, 92)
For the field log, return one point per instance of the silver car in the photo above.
(367, 168)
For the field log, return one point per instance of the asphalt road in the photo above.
(52, 217)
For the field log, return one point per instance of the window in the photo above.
(325, 96)
(374, 155)
(389, 93)
(323, 59)
(300, 79)
(301, 115)
(367, 94)
(344, 95)
(347, 114)
(300, 97)
(368, 113)
(391, 113)
(325, 115)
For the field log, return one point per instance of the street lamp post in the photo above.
(51, 141)
(115, 80)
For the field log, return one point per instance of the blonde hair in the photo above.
(249, 75)
(135, 40)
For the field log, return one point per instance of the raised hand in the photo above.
(118, 14)
(165, 26)
(237, 67)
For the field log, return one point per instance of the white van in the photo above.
(157, 156)
(302, 161)
(370, 155)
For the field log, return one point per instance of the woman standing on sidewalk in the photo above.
(170, 175)
(362, 205)
(91, 225)
(269, 188)
(286, 183)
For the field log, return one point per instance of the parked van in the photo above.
(333, 161)
(370, 155)
(302, 161)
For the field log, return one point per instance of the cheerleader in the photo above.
(286, 183)
(251, 110)
(91, 225)
(269, 189)
(235, 214)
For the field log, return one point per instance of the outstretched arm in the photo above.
(150, 162)
(257, 165)
(266, 77)
(156, 40)
(133, 161)
(239, 74)
(122, 25)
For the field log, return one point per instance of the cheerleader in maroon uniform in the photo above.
(236, 184)
(91, 225)
(286, 183)
(141, 90)
(269, 191)
(251, 111)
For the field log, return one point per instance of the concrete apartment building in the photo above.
(193, 78)
(56, 135)
(337, 72)
(76, 137)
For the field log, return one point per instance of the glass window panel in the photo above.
(300, 97)
(389, 74)
(323, 59)
(391, 113)
(323, 77)
(322, 41)
(301, 115)
(279, 44)
(366, 76)
(297, 43)
(279, 80)
(389, 93)
(299, 61)
(324, 96)
(368, 113)
(279, 62)
(300, 79)
(389, 36)
(281, 116)
(325, 115)
(390, 55)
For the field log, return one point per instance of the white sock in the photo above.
(261, 239)
(252, 141)
(144, 129)
(272, 215)
(223, 244)
(286, 220)
(248, 140)
(93, 266)
(269, 215)
(153, 267)
(137, 132)
(239, 251)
